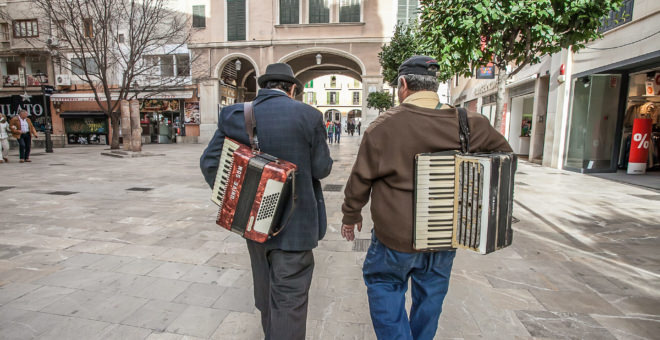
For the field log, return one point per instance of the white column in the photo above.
(208, 106)
(369, 84)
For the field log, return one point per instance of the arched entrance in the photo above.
(238, 80)
(332, 115)
(354, 116)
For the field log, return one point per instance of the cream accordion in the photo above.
(463, 201)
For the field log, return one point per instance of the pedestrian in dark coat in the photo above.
(290, 130)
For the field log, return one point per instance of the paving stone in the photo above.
(27, 325)
(198, 321)
(156, 315)
(192, 256)
(237, 325)
(638, 305)
(81, 260)
(139, 266)
(140, 251)
(110, 263)
(171, 270)
(163, 289)
(96, 247)
(546, 324)
(575, 302)
(236, 300)
(204, 274)
(74, 328)
(200, 294)
(13, 291)
(40, 298)
(124, 332)
(631, 327)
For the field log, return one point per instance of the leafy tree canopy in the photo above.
(514, 31)
(380, 101)
(405, 43)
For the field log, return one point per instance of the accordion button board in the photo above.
(463, 201)
(252, 190)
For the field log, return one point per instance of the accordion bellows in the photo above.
(463, 201)
(252, 189)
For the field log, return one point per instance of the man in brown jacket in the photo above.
(22, 129)
(384, 169)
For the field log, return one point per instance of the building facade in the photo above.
(236, 39)
(574, 111)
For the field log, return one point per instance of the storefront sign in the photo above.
(21, 76)
(160, 105)
(34, 105)
(487, 87)
(639, 146)
(191, 113)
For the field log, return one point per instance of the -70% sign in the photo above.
(643, 140)
(639, 147)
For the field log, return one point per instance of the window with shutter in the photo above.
(349, 11)
(407, 11)
(319, 11)
(235, 20)
(199, 16)
(289, 10)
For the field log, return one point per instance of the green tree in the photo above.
(380, 101)
(466, 34)
(405, 43)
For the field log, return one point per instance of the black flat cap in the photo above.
(281, 72)
(419, 64)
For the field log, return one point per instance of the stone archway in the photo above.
(237, 74)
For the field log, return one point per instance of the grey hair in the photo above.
(418, 82)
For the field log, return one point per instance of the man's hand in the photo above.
(347, 230)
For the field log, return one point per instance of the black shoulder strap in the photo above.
(464, 130)
(250, 125)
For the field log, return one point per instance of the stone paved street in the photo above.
(95, 247)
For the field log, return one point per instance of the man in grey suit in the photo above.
(282, 266)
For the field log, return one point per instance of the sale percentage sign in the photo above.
(642, 139)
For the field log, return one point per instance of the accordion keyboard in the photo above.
(434, 202)
(224, 170)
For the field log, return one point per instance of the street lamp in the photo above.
(238, 65)
(318, 59)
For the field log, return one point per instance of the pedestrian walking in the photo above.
(384, 170)
(330, 127)
(337, 131)
(293, 131)
(22, 129)
(4, 139)
(359, 125)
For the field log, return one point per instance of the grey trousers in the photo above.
(281, 290)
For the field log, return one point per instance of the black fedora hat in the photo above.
(281, 72)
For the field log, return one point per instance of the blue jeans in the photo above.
(386, 273)
(330, 137)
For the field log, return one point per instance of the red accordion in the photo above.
(252, 188)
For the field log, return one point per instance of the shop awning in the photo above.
(83, 114)
(89, 97)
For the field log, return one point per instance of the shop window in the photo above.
(199, 16)
(182, 65)
(78, 66)
(407, 11)
(26, 28)
(333, 98)
(88, 26)
(319, 12)
(349, 11)
(235, 20)
(289, 11)
(356, 98)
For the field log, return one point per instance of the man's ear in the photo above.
(292, 91)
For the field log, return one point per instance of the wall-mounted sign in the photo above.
(486, 72)
(21, 76)
(160, 105)
(34, 105)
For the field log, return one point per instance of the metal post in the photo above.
(49, 141)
